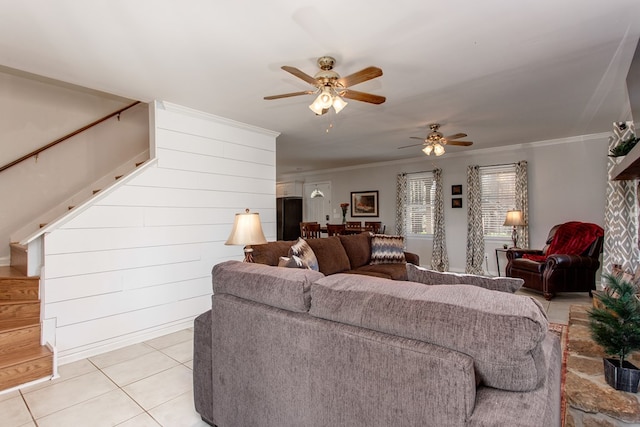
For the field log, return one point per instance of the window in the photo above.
(498, 189)
(420, 204)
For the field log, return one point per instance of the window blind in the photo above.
(420, 204)
(498, 189)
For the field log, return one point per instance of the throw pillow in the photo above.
(302, 250)
(291, 262)
(387, 249)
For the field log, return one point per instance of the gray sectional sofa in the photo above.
(292, 347)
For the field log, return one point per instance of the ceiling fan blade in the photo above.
(360, 76)
(364, 97)
(462, 143)
(417, 137)
(300, 74)
(456, 136)
(287, 95)
(412, 145)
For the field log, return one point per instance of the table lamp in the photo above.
(246, 231)
(514, 219)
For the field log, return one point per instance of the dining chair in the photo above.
(310, 230)
(353, 224)
(335, 229)
(373, 226)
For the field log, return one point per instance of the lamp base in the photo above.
(248, 254)
(514, 237)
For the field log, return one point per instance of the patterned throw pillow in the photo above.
(302, 250)
(387, 249)
(291, 262)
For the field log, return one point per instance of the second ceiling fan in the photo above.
(435, 141)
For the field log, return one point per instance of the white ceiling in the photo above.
(504, 72)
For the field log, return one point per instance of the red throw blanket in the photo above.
(571, 238)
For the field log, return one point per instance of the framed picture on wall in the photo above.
(364, 204)
(456, 190)
(456, 202)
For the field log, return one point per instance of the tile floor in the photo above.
(146, 384)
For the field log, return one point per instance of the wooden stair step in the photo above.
(19, 288)
(19, 309)
(139, 163)
(20, 367)
(96, 191)
(118, 177)
(19, 336)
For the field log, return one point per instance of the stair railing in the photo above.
(59, 140)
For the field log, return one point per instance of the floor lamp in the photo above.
(514, 219)
(247, 231)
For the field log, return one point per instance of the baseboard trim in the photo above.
(79, 353)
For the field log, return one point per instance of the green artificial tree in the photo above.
(616, 324)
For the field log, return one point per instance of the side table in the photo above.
(498, 258)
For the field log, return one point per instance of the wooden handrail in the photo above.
(59, 140)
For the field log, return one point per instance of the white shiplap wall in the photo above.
(137, 263)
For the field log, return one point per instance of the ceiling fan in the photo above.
(435, 141)
(331, 88)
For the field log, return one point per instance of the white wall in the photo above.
(34, 111)
(567, 181)
(137, 264)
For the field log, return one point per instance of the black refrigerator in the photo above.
(289, 214)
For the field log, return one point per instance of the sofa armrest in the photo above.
(514, 253)
(412, 258)
(562, 261)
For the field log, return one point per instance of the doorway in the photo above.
(319, 208)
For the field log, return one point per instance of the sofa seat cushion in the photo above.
(286, 288)
(501, 331)
(331, 255)
(432, 277)
(388, 271)
(358, 248)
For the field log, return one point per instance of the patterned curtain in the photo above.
(475, 234)
(401, 203)
(621, 213)
(522, 202)
(439, 258)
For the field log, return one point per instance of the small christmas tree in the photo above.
(616, 326)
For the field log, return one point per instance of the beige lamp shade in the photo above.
(514, 218)
(247, 230)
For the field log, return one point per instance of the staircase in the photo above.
(22, 358)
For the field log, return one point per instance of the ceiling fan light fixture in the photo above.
(438, 149)
(428, 149)
(316, 106)
(338, 104)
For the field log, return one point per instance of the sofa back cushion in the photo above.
(501, 331)
(331, 255)
(358, 248)
(432, 277)
(286, 288)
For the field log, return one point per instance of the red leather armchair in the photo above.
(558, 272)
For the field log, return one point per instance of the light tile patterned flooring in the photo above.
(144, 385)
